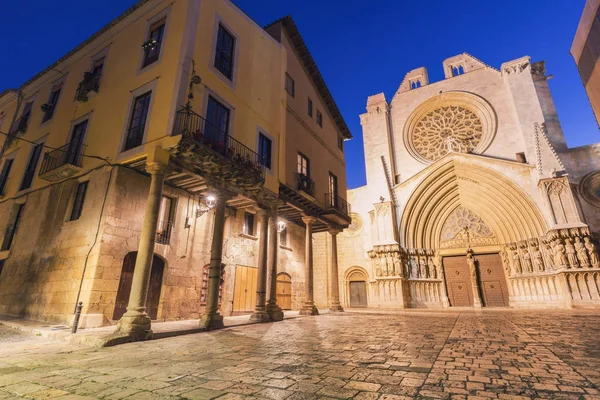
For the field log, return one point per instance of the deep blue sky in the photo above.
(361, 47)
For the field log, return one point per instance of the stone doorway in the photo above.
(358, 294)
(244, 293)
(494, 290)
(458, 281)
(154, 289)
(284, 291)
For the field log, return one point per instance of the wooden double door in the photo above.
(244, 294)
(284, 291)
(358, 294)
(491, 283)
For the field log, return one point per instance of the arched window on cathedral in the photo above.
(204, 291)
(458, 70)
(415, 84)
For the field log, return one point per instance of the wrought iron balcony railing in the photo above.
(163, 232)
(305, 184)
(334, 201)
(200, 130)
(62, 162)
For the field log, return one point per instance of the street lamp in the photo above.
(280, 226)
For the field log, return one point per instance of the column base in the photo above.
(135, 324)
(275, 313)
(212, 321)
(260, 316)
(336, 307)
(309, 309)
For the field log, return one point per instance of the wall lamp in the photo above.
(280, 226)
(209, 203)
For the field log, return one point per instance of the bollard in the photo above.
(77, 315)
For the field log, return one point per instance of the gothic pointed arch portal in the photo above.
(504, 207)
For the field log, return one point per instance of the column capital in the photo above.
(334, 230)
(308, 220)
(156, 168)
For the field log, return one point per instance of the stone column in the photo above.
(309, 305)
(260, 311)
(474, 281)
(274, 311)
(136, 322)
(211, 319)
(334, 285)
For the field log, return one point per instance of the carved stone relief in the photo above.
(464, 229)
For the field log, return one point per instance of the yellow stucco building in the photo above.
(174, 165)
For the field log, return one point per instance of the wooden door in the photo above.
(458, 281)
(494, 290)
(154, 289)
(244, 295)
(358, 294)
(284, 291)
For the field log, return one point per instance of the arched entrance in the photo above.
(357, 288)
(284, 291)
(154, 287)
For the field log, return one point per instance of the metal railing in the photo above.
(189, 123)
(70, 153)
(333, 200)
(305, 184)
(163, 232)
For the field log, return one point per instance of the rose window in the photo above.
(446, 128)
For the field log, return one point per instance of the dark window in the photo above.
(4, 174)
(319, 118)
(458, 70)
(341, 143)
(333, 187)
(310, 111)
(415, 84)
(290, 85)
(248, 224)
(79, 200)
(137, 123)
(264, 150)
(204, 292)
(31, 166)
(166, 215)
(1, 266)
(11, 230)
(303, 165)
(283, 237)
(20, 125)
(97, 68)
(75, 148)
(224, 52)
(217, 116)
(52, 102)
(153, 45)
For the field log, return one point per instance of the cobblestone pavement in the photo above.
(396, 355)
(9, 335)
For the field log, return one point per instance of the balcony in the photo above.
(214, 154)
(62, 163)
(163, 232)
(305, 184)
(337, 208)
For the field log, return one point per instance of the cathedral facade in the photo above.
(473, 198)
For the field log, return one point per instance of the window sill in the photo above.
(251, 237)
(285, 247)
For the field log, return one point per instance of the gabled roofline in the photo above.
(311, 67)
(112, 23)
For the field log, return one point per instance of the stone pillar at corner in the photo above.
(136, 322)
(334, 285)
(309, 305)
(274, 311)
(211, 319)
(260, 311)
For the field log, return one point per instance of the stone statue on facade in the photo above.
(432, 268)
(516, 262)
(538, 259)
(582, 255)
(397, 265)
(414, 268)
(377, 266)
(439, 266)
(423, 266)
(560, 256)
(527, 267)
(571, 254)
(593, 253)
(472, 267)
(549, 256)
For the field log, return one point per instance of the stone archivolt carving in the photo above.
(452, 121)
(463, 229)
(589, 187)
(454, 127)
